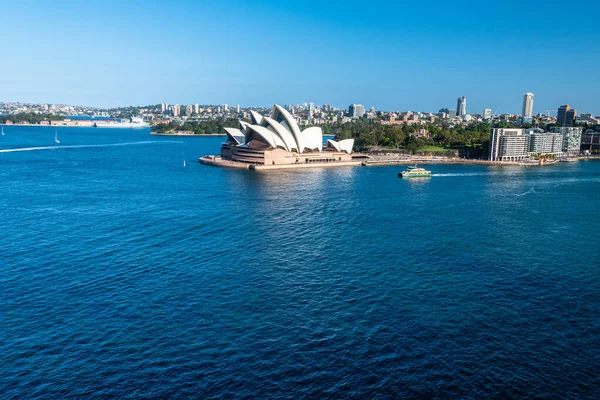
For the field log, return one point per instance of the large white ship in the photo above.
(126, 123)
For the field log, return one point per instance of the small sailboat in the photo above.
(184, 163)
(2, 131)
(56, 136)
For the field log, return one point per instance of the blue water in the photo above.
(125, 274)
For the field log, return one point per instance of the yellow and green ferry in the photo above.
(415, 172)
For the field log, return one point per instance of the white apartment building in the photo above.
(508, 145)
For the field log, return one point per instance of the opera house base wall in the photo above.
(278, 156)
(310, 165)
(272, 159)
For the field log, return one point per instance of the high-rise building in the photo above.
(188, 110)
(311, 109)
(356, 110)
(163, 107)
(225, 108)
(487, 114)
(175, 110)
(461, 106)
(571, 115)
(451, 114)
(196, 108)
(508, 145)
(527, 111)
(566, 115)
(237, 108)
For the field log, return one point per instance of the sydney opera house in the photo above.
(278, 140)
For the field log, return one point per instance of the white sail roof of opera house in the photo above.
(342, 145)
(280, 130)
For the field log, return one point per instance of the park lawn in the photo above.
(435, 148)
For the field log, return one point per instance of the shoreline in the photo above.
(219, 162)
(186, 134)
(48, 126)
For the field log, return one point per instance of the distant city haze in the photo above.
(418, 56)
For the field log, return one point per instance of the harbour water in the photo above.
(125, 273)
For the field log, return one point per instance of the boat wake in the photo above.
(87, 146)
(532, 190)
(465, 174)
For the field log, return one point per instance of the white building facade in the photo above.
(508, 145)
(527, 110)
(545, 143)
(461, 106)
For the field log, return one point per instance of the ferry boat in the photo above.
(414, 172)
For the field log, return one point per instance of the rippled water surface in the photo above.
(124, 273)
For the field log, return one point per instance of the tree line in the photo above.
(204, 127)
(30, 118)
(370, 134)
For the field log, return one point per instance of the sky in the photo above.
(391, 55)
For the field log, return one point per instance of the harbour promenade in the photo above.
(363, 160)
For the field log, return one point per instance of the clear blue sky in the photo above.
(392, 55)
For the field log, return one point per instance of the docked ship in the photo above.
(126, 123)
(414, 172)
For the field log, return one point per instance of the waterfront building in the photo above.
(461, 106)
(277, 140)
(527, 110)
(566, 115)
(590, 142)
(508, 145)
(356, 110)
(487, 114)
(571, 139)
(545, 142)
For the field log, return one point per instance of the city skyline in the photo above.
(189, 53)
(527, 108)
